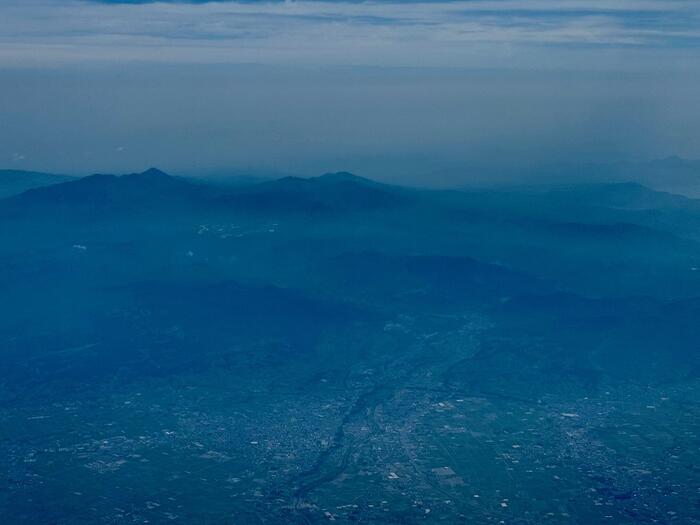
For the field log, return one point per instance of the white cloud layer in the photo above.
(526, 33)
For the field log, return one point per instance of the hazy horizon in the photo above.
(521, 349)
(308, 87)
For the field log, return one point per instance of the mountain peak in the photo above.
(342, 176)
(153, 172)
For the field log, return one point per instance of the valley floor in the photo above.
(401, 437)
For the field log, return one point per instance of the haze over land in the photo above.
(399, 262)
(299, 350)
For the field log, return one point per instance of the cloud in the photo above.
(459, 33)
(315, 86)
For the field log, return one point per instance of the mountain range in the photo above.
(13, 182)
(301, 349)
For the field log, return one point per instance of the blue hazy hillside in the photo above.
(397, 262)
(13, 182)
(305, 349)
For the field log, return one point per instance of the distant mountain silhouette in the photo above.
(672, 174)
(628, 195)
(332, 192)
(154, 190)
(14, 182)
(137, 191)
(344, 176)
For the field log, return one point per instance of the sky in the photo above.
(383, 88)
